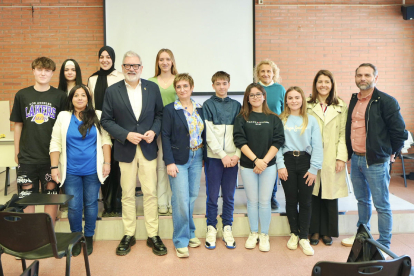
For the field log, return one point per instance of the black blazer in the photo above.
(176, 136)
(118, 119)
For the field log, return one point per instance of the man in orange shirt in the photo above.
(375, 133)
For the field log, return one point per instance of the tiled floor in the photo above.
(240, 261)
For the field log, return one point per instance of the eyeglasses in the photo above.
(253, 96)
(128, 66)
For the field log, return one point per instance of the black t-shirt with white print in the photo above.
(38, 112)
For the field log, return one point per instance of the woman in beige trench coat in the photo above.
(331, 113)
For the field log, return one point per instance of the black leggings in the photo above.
(296, 191)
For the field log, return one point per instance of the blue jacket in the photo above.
(118, 119)
(176, 136)
(385, 127)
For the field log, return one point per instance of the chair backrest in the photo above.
(396, 267)
(21, 232)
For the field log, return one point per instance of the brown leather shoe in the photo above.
(125, 245)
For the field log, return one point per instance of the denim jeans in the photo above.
(258, 189)
(374, 181)
(85, 190)
(185, 187)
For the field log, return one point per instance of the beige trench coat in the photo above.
(332, 126)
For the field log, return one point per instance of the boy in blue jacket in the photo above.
(221, 166)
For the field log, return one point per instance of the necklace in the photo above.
(164, 82)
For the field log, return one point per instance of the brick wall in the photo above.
(304, 39)
(300, 39)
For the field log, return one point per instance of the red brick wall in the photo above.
(304, 39)
(300, 39)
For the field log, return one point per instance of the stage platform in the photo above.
(112, 228)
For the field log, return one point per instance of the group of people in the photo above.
(119, 126)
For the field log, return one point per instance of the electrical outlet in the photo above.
(260, 2)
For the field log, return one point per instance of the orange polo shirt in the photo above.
(358, 132)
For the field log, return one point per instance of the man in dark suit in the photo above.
(132, 114)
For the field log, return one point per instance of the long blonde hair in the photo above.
(173, 66)
(286, 112)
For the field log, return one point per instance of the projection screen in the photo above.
(205, 36)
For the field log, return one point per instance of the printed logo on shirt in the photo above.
(257, 123)
(295, 128)
(40, 112)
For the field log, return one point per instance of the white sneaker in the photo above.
(252, 240)
(306, 247)
(163, 210)
(194, 242)
(228, 237)
(264, 244)
(348, 242)
(293, 242)
(182, 252)
(211, 237)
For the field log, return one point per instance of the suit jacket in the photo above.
(118, 119)
(176, 135)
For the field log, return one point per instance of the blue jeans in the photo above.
(185, 187)
(372, 180)
(85, 190)
(258, 189)
(218, 176)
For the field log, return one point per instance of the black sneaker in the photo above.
(274, 204)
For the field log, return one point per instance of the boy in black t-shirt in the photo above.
(34, 113)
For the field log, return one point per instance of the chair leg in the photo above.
(85, 257)
(403, 169)
(68, 258)
(24, 264)
(1, 267)
(7, 181)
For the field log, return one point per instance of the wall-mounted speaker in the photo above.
(407, 12)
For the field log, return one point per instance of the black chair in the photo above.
(366, 258)
(32, 270)
(32, 237)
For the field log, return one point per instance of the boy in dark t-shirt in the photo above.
(34, 113)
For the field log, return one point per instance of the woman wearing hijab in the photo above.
(70, 75)
(98, 83)
(105, 77)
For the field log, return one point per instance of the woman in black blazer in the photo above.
(182, 142)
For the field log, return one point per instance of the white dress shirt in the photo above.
(135, 98)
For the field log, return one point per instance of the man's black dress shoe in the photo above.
(158, 247)
(327, 240)
(124, 246)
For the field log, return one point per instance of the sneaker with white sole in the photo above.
(348, 242)
(264, 244)
(306, 247)
(194, 242)
(211, 237)
(228, 237)
(252, 240)
(293, 242)
(182, 252)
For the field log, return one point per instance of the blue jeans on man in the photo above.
(185, 187)
(218, 176)
(85, 190)
(373, 180)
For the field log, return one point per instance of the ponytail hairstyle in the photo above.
(88, 115)
(286, 112)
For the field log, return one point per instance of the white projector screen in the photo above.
(205, 36)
